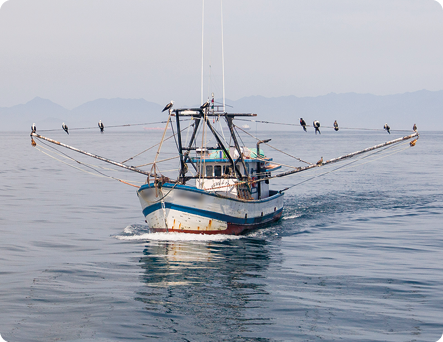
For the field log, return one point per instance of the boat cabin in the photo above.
(231, 171)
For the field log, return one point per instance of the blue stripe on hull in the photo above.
(273, 194)
(212, 215)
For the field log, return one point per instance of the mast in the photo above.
(223, 56)
(180, 149)
(203, 36)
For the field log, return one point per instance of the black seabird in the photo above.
(414, 128)
(65, 128)
(205, 105)
(169, 105)
(33, 128)
(387, 128)
(336, 125)
(101, 126)
(316, 125)
(303, 124)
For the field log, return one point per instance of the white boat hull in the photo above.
(180, 208)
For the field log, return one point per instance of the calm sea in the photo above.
(357, 256)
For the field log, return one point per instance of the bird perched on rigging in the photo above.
(316, 125)
(414, 128)
(336, 126)
(387, 128)
(320, 162)
(101, 126)
(33, 128)
(169, 105)
(65, 128)
(303, 124)
(205, 105)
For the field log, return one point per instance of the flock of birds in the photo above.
(315, 124)
(170, 104)
(101, 126)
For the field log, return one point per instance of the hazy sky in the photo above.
(73, 51)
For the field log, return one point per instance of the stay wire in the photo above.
(61, 154)
(96, 127)
(150, 148)
(101, 174)
(350, 163)
(289, 155)
(297, 125)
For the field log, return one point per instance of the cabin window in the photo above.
(209, 170)
(217, 170)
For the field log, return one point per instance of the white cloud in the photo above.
(440, 2)
(2, 2)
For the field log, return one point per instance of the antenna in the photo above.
(203, 36)
(223, 57)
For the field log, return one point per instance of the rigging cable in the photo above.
(297, 125)
(385, 148)
(301, 160)
(352, 162)
(171, 136)
(100, 174)
(113, 126)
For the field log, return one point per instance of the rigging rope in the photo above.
(301, 160)
(100, 174)
(384, 149)
(95, 127)
(150, 148)
(66, 156)
(298, 125)
(352, 162)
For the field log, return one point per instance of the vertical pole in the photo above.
(203, 35)
(223, 56)
(237, 146)
(180, 149)
(258, 171)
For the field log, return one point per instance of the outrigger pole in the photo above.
(350, 155)
(130, 168)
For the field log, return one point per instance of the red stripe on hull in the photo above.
(233, 229)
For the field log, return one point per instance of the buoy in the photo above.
(33, 143)
(413, 142)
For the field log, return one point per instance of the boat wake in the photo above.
(138, 232)
(291, 217)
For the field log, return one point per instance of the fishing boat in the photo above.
(230, 194)
(221, 189)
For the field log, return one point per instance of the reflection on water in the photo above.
(201, 288)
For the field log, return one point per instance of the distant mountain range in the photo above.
(401, 111)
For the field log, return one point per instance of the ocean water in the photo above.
(357, 256)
